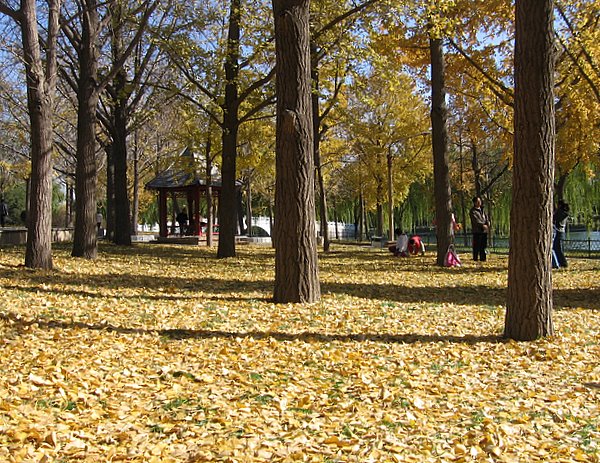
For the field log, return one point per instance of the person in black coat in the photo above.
(182, 220)
(480, 225)
(3, 212)
(559, 222)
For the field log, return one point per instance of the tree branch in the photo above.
(505, 94)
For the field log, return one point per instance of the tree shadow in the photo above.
(177, 288)
(157, 287)
(305, 336)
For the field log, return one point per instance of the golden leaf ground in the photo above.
(167, 354)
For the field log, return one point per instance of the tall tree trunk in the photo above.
(209, 192)
(228, 198)
(240, 211)
(85, 240)
(120, 98)
(110, 193)
(364, 222)
(68, 204)
(336, 219)
(357, 218)
(270, 212)
(135, 206)
(249, 205)
(314, 73)
(296, 262)
(439, 137)
(379, 209)
(529, 299)
(41, 84)
(390, 198)
(476, 169)
(122, 234)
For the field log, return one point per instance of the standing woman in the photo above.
(479, 226)
(560, 219)
(3, 212)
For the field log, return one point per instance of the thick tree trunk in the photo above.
(296, 263)
(439, 136)
(529, 301)
(40, 102)
(122, 210)
(228, 198)
(85, 237)
(120, 100)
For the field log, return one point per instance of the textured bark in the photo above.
(228, 197)
(120, 101)
(41, 85)
(122, 234)
(85, 237)
(439, 136)
(296, 263)
(529, 301)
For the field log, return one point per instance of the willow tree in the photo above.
(296, 263)
(41, 84)
(529, 302)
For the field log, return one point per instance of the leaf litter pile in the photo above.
(167, 354)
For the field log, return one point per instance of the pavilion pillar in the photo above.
(162, 213)
(197, 229)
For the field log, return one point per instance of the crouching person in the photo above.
(400, 249)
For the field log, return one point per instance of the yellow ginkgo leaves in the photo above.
(165, 354)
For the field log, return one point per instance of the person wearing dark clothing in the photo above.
(559, 221)
(182, 220)
(3, 212)
(479, 226)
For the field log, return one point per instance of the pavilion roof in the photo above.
(178, 179)
(182, 175)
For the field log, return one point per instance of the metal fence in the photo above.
(582, 248)
(588, 248)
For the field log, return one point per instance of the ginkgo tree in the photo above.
(296, 262)
(39, 47)
(226, 69)
(577, 89)
(425, 25)
(529, 299)
(337, 31)
(387, 121)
